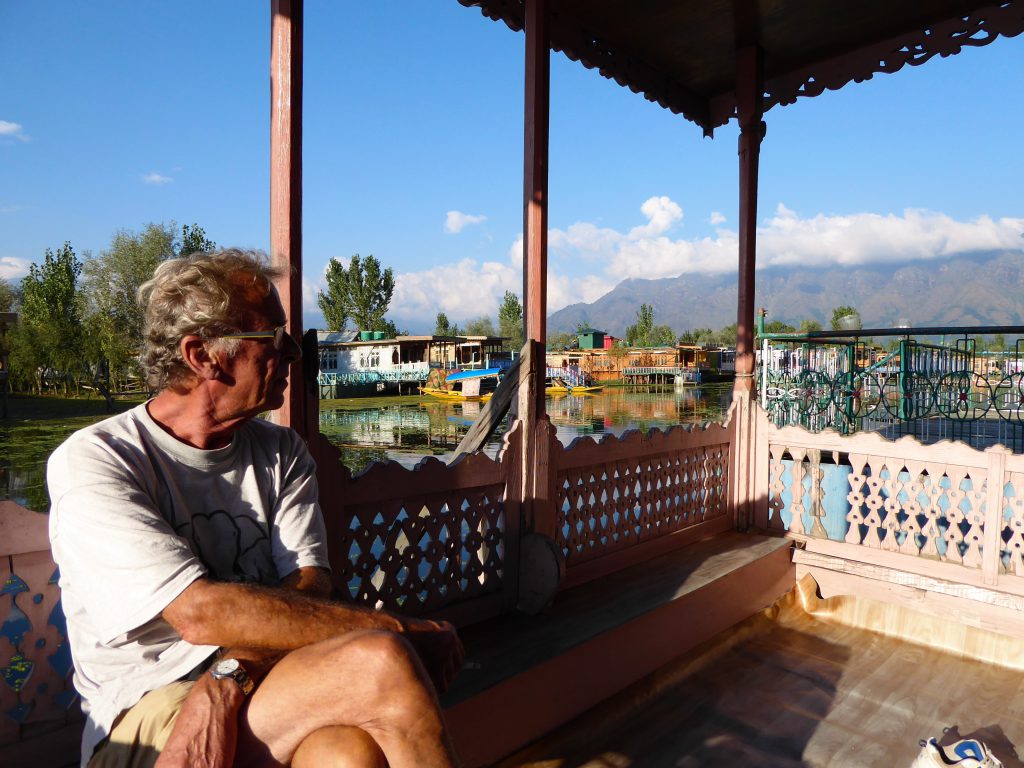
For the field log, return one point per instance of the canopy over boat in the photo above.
(479, 373)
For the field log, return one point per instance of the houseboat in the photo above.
(365, 363)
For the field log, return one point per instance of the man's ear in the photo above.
(198, 358)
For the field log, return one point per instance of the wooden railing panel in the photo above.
(944, 503)
(417, 541)
(623, 492)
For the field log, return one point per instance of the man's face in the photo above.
(255, 377)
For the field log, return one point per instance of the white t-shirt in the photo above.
(136, 516)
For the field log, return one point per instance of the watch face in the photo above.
(226, 667)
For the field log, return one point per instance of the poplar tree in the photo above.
(510, 321)
(48, 341)
(360, 292)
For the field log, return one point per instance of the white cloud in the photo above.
(14, 130)
(462, 290)
(456, 221)
(662, 214)
(11, 208)
(865, 238)
(156, 178)
(716, 219)
(13, 267)
(784, 239)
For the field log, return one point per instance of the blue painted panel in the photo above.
(15, 625)
(835, 486)
(13, 585)
(17, 672)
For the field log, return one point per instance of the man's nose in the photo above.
(291, 350)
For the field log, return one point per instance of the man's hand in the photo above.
(206, 732)
(438, 646)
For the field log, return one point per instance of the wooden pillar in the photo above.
(749, 91)
(286, 187)
(535, 182)
(535, 237)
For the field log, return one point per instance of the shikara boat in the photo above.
(474, 384)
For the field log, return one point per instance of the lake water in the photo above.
(403, 429)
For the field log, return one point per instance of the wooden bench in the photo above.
(525, 675)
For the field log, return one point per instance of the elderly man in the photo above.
(193, 564)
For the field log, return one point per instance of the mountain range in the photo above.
(983, 288)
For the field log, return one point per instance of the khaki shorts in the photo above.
(140, 733)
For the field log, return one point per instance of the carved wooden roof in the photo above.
(682, 53)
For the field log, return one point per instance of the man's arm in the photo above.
(274, 619)
(206, 730)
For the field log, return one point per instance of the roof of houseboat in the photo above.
(683, 55)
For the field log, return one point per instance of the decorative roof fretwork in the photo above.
(683, 55)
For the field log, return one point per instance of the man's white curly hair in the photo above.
(195, 294)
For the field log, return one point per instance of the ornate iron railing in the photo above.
(932, 391)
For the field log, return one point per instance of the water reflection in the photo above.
(403, 429)
(409, 428)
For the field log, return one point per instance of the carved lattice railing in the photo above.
(623, 493)
(420, 540)
(943, 510)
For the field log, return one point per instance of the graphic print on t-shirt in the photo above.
(232, 548)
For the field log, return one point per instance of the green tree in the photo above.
(639, 334)
(48, 340)
(9, 296)
(695, 336)
(727, 335)
(839, 313)
(482, 326)
(809, 326)
(361, 292)
(510, 321)
(562, 340)
(777, 326)
(444, 327)
(194, 240)
(663, 336)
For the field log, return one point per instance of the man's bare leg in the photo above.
(338, 746)
(369, 680)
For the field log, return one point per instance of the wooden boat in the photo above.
(475, 384)
(559, 387)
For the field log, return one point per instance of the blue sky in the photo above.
(116, 114)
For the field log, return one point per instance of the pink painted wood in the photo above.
(286, 183)
(35, 663)
(626, 491)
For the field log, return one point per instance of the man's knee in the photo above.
(380, 655)
(339, 747)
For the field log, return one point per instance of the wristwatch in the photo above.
(232, 669)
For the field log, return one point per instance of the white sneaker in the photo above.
(966, 753)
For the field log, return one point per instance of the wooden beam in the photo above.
(286, 187)
(495, 408)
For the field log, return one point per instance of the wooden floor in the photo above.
(789, 688)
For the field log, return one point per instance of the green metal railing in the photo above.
(943, 390)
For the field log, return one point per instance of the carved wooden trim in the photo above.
(945, 38)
